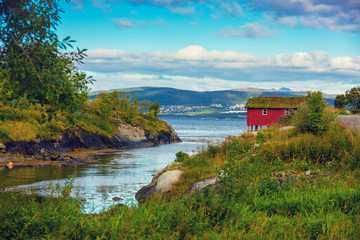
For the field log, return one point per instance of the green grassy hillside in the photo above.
(27, 121)
(173, 96)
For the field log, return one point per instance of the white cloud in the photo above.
(210, 69)
(337, 15)
(231, 8)
(127, 23)
(107, 81)
(250, 30)
(77, 4)
(183, 10)
(288, 21)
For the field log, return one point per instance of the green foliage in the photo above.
(4, 135)
(286, 120)
(257, 197)
(313, 117)
(154, 109)
(316, 106)
(34, 63)
(103, 115)
(274, 102)
(340, 102)
(181, 156)
(353, 99)
(117, 105)
(260, 137)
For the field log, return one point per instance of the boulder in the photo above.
(116, 199)
(286, 128)
(201, 185)
(160, 184)
(2, 148)
(10, 165)
(166, 180)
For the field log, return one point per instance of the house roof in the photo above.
(274, 102)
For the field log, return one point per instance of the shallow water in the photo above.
(123, 173)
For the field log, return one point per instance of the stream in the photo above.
(116, 177)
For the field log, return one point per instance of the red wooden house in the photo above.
(265, 111)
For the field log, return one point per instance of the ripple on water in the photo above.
(121, 174)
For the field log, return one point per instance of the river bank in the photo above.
(120, 173)
(76, 147)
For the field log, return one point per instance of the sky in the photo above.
(214, 45)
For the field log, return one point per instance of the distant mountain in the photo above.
(285, 89)
(224, 103)
(173, 96)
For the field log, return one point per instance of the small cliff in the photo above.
(128, 136)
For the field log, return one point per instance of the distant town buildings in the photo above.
(184, 108)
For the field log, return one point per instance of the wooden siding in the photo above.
(256, 118)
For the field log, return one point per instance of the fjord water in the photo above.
(119, 175)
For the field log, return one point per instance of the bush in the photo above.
(4, 136)
(181, 156)
(313, 117)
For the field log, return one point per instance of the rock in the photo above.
(308, 173)
(43, 152)
(286, 128)
(145, 192)
(117, 199)
(10, 165)
(2, 148)
(201, 185)
(166, 180)
(162, 137)
(160, 184)
(80, 138)
(54, 157)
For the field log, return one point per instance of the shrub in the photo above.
(313, 117)
(181, 156)
(213, 149)
(4, 136)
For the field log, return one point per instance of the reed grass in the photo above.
(278, 185)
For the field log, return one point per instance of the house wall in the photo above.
(255, 117)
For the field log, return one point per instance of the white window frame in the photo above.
(287, 111)
(264, 111)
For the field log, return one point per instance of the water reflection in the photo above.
(121, 174)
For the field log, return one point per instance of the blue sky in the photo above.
(213, 45)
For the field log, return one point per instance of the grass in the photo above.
(276, 185)
(28, 122)
(275, 102)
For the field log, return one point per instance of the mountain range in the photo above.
(219, 104)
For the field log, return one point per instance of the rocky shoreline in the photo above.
(75, 147)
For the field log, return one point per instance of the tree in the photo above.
(352, 97)
(340, 101)
(154, 109)
(34, 63)
(312, 117)
(316, 106)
